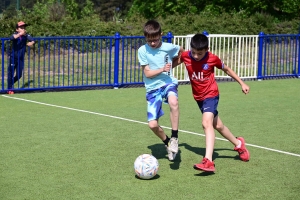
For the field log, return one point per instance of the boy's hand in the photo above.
(30, 44)
(167, 67)
(245, 89)
(22, 32)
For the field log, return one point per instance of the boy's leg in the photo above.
(171, 94)
(13, 63)
(154, 112)
(153, 125)
(19, 68)
(207, 164)
(159, 132)
(208, 108)
(174, 117)
(238, 142)
(174, 111)
(207, 124)
(10, 74)
(224, 131)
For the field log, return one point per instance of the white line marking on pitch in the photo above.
(130, 120)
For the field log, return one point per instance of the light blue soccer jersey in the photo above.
(156, 59)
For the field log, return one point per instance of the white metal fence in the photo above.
(239, 52)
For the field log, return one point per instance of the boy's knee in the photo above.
(153, 124)
(219, 127)
(173, 102)
(206, 124)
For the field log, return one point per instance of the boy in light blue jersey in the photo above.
(156, 58)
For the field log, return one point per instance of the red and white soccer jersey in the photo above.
(201, 74)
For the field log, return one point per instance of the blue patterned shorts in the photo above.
(155, 99)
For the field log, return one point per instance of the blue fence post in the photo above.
(260, 55)
(2, 64)
(205, 33)
(169, 37)
(298, 38)
(116, 63)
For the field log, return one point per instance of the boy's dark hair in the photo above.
(199, 42)
(152, 29)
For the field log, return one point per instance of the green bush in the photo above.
(43, 22)
(228, 24)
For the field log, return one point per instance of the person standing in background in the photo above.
(20, 40)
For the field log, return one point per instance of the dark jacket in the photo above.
(19, 45)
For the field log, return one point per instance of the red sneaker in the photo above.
(205, 165)
(10, 92)
(243, 152)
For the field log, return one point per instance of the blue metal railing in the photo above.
(79, 62)
(279, 56)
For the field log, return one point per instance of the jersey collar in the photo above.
(190, 54)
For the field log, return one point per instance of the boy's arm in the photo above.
(30, 43)
(232, 74)
(176, 60)
(19, 34)
(154, 72)
(15, 36)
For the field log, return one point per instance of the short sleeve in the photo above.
(142, 56)
(174, 51)
(12, 36)
(218, 62)
(29, 38)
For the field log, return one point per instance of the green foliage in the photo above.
(282, 8)
(88, 9)
(69, 19)
(285, 9)
(56, 12)
(227, 24)
(153, 9)
(72, 8)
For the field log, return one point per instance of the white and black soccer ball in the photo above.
(146, 166)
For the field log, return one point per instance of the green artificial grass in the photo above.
(82, 145)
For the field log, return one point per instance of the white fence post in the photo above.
(239, 52)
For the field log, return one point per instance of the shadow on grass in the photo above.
(159, 152)
(201, 151)
(25, 85)
(155, 177)
(205, 173)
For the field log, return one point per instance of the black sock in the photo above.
(175, 133)
(166, 141)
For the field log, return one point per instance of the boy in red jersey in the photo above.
(200, 64)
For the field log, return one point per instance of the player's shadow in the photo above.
(159, 152)
(201, 151)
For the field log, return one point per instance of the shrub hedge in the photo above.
(177, 24)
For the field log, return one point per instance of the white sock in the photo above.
(239, 145)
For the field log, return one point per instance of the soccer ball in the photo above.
(146, 166)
